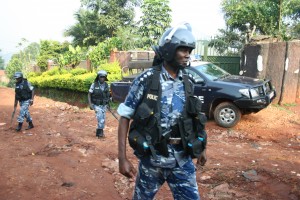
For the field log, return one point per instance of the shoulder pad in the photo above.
(145, 76)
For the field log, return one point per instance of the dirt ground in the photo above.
(62, 159)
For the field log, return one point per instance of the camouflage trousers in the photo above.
(181, 180)
(100, 115)
(24, 111)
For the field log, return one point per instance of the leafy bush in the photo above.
(113, 70)
(51, 72)
(77, 79)
(78, 71)
(33, 74)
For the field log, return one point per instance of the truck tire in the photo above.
(227, 114)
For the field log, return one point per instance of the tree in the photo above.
(28, 53)
(14, 65)
(71, 58)
(227, 42)
(128, 38)
(1, 62)
(100, 19)
(86, 31)
(50, 50)
(271, 17)
(156, 18)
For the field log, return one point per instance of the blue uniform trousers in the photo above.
(100, 115)
(24, 111)
(181, 180)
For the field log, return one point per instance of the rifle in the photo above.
(12, 116)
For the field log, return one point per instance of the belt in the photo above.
(174, 140)
(175, 133)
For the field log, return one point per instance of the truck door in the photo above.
(200, 89)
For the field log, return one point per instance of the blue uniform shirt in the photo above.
(172, 103)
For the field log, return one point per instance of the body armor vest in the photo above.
(100, 97)
(146, 121)
(23, 91)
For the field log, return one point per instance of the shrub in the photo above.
(78, 71)
(33, 74)
(51, 72)
(113, 70)
(77, 79)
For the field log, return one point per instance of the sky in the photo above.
(37, 20)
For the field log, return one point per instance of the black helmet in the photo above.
(180, 36)
(18, 75)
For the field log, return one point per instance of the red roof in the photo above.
(2, 72)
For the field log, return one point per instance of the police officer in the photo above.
(98, 97)
(169, 158)
(24, 93)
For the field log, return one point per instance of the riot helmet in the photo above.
(18, 75)
(179, 36)
(102, 73)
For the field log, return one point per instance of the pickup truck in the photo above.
(224, 97)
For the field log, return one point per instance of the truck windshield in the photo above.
(211, 71)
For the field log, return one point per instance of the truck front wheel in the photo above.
(227, 114)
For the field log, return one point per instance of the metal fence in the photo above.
(229, 63)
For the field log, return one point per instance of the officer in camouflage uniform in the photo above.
(24, 94)
(177, 169)
(98, 97)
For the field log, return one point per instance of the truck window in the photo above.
(194, 76)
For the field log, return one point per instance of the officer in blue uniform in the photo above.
(173, 164)
(24, 94)
(98, 98)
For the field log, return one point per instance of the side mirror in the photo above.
(200, 81)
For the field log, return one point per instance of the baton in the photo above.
(12, 116)
(112, 113)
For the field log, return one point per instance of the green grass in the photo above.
(284, 107)
(2, 84)
(74, 98)
(290, 104)
(114, 105)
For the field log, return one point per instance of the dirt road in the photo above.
(61, 159)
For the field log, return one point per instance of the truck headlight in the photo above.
(246, 92)
(254, 93)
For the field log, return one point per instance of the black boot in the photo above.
(99, 133)
(19, 127)
(30, 126)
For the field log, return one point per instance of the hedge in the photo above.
(77, 79)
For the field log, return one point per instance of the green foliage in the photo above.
(113, 70)
(290, 104)
(64, 81)
(100, 53)
(72, 57)
(128, 38)
(76, 79)
(33, 74)
(156, 18)
(23, 60)
(271, 17)
(50, 50)
(14, 65)
(51, 72)
(78, 71)
(226, 42)
(31, 52)
(99, 19)
(1, 62)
